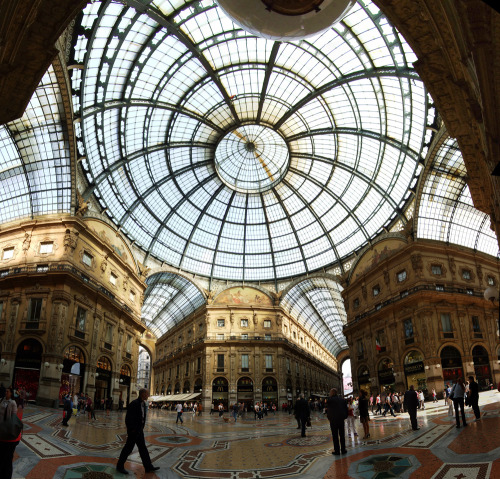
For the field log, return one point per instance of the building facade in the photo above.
(417, 315)
(242, 347)
(70, 302)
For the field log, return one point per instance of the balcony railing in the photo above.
(65, 268)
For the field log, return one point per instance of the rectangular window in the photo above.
(269, 362)
(198, 365)
(466, 274)
(355, 303)
(297, 370)
(376, 290)
(436, 269)
(220, 362)
(179, 340)
(47, 247)
(446, 324)
(220, 323)
(401, 276)
(132, 296)
(469, 291)
(81, 318)
(267, 323)
(35, 312)
(128, 346)
(361, 351)
(294, 335)
(8, 253)
(476, 327)
(87, 258)
(491, 281)
(408, 326)
(288, 365)
(244, 362)
(109, 333)
(220, 336)
(267, 337)
(113, 278)
(439, 287)
(244, 323)
(187, 369)
(244, 336)
(178, 370)
(42, 268)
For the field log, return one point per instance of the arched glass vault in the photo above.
(239, 158)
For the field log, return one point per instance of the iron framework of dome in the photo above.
(170, 95)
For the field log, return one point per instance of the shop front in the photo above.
(245, 391)
(451, 364)
(414, 370)
(364, 379)
(27, 367)
(220, 389)
(386, 378)
(102, 382)
(269, 391)
(482, 369)
(72, 378)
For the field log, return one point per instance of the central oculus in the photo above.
(251, 158)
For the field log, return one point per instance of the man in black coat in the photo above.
(336, 412)
(411, 404)
(473, 397)
(135, 421)
(302, 413)
(68, 410)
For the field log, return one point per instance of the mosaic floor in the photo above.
(208, 447)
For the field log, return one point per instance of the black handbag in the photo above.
(10, 428)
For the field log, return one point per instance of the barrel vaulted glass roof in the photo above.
(238, 158)
(317, 304)
(446, 211)
(169, 298)
(35, 174)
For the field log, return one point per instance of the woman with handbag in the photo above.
(8, 414)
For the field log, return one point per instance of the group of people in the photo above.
(462, 394)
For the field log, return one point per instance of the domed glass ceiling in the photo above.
(239, 158)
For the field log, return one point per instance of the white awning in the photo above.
(174, 397)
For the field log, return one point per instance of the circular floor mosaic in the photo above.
(308, 441)
(173, 439)
(91, 471)
(383, 467)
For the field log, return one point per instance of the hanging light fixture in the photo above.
(285, 20)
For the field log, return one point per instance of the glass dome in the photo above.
(239, 158)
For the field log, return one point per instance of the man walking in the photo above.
(336, 412)
(302, 413)
(68, 409)
(135, 421)
(473, 397)
(411, 404)
(178, 408)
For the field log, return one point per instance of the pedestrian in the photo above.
(302, 413)
(67, 409)
(109, 405)
(8, 408)
(421, 400)
(473, 397)
(135, 421)
(364, 415)
(212, 409)
(388, 406)
(235, 411)
(221, 410)
(337, 412)
(179, 409)
(434, 395)
(200, 409)
(411, 405)
(457, 395)
(378, 402)
(351, 425)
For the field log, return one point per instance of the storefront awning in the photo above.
(174, 397)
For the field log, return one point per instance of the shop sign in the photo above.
(414, 368)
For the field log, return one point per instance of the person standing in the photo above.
(457, 394)
(473, 397)
(302, 413)
(8, 408)
(336, 412)
(135, 421)
(378, 402)
(351, 427)
(364, 415)
(411, 405)
(67, 409)
(178, 408)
